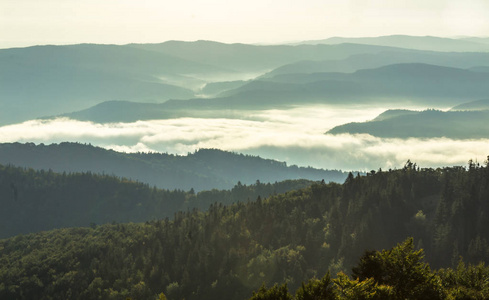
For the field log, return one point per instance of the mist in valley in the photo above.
(296, 136)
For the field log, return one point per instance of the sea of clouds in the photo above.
(296, 136)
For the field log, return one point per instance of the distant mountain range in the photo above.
(474, 60)
(430, 43)
(252, 58)
(415, 82)
(205, 169)
(50, 80)
(53, 80)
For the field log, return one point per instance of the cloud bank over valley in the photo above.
(296, 136)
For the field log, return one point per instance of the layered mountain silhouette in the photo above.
(474, 60)
(421, 84)
(50, 80)
(415, 82)
(53, 80)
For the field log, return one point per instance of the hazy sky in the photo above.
(28, 22)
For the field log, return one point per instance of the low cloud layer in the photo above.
(295, 136)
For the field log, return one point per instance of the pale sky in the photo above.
(31, 22)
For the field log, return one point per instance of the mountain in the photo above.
(205, 169)
(370, 61)
(254, 96)
(430, 43)
(424, 124)
(229, 251)
(33, 201)
(473, 105)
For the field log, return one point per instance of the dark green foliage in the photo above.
(396, 274)
(274, 293)
(401, 268)
(316, 289)
(466, 282)
(349, 289)
(229, 251)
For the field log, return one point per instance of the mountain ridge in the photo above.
(205, 169)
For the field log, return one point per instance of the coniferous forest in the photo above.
(41, 200)
(269, 247)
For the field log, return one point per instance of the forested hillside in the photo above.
(205, 169)
(229, 251)
(32, 200)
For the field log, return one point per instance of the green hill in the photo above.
(463, 60)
